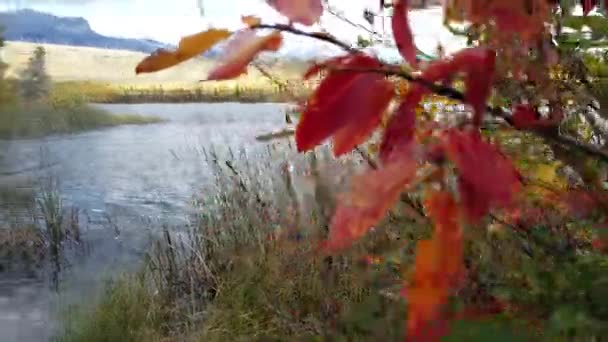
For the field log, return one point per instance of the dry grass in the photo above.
(117, 68)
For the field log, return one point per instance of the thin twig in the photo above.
(316, 35)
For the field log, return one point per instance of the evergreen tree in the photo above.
(34, 82)
(6, 94)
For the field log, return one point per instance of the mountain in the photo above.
(37, 27)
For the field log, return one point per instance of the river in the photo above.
(138, 178)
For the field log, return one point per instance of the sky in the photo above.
(168, 20)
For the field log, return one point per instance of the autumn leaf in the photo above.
(334, 62)
(579, 204)
(346, 105)
(524, 116)
(588, 5)
(478, 65)
(251, 20)
(402, 32)
(478, 81)
(305, 12)
(189, 47)
(486, 177)
(399, 132)
(372, 194)
(438, 269)
(523, 17)
(443, 210)
(241, 50)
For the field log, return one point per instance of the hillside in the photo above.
(32, 26)
(71, 63)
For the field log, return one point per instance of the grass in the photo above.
(129, 312)
(40, 119)
(112, 93)
(247, 269)
(36, 227)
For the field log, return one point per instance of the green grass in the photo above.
(37, 120)
(128, 312)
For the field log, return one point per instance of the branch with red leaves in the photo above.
(435, 88)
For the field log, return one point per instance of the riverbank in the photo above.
(34, 120)
(108, 93)
(248, 269)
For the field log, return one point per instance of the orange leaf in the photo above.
(241, 50)
(442, 208)
(347, 105)
(251, 20)
(487, 177)
(189, 47)
(305, 12)
(437, 269)
(373, 193)
(402, 32)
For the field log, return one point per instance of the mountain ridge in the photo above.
(32, 26)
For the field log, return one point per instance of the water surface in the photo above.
(137, 178)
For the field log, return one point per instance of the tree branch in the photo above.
(393, 70)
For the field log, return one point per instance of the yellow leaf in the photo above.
(189, 47)
(546, 173)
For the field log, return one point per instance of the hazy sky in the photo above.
(167, 20)
(159, 19)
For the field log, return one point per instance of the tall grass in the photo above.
(248, 269)
(37, 226)
(245, 268)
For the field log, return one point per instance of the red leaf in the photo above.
(524, 116)
(478, 64)
(588, 5)
(305, 12)
(487, 178)
(334, 62)
(579, 203)
(241, 50)
(367, 114)
(373, 193)
(402, 32)
(399, 132)
(347, 105)
(480, 75)
(525, 18)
